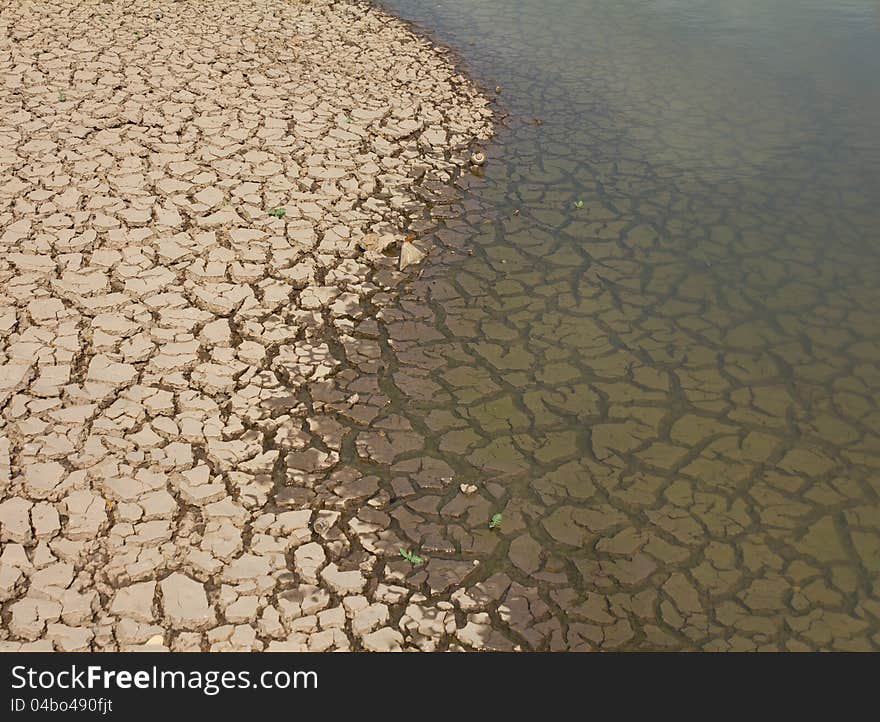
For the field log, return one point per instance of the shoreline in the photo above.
(204, 215)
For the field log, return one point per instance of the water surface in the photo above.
(652, 342)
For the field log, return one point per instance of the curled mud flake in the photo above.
(410, 255)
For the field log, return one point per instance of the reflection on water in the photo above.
(652, 341)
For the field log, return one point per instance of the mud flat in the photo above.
(201, 210)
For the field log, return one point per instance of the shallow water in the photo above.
(652, 341)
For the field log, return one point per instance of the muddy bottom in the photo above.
(651, 343)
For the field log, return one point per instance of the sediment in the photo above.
(202, 206)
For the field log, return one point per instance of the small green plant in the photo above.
(137, 36)
(495, 521)
(578, 204)
(61, 96)
(278, 211)
(410, 557)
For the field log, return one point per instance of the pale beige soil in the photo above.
(176, 364)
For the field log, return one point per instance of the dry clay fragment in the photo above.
(185, 603)
(409, 255)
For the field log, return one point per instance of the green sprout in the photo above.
(61, 96)
(495, 521)
(278, 211)
(578, 204)
(410, 557)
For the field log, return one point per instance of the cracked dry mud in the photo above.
(222, 426)
(191, 408)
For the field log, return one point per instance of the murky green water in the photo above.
(660, 362)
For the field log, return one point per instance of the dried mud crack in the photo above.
(200, 207)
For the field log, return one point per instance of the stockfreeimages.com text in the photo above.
(210, 682)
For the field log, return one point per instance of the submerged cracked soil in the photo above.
(671, 388)
(189, 383)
